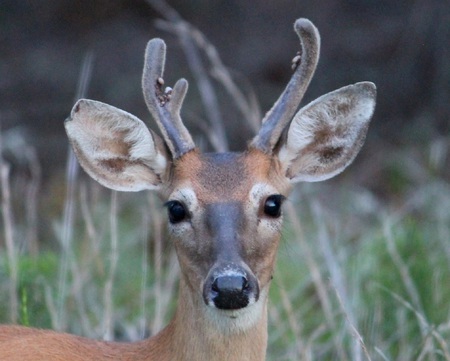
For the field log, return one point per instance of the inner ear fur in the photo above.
(326, 135)
(116, 148)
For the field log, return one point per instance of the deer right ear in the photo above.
(116, 148)
(326, 135)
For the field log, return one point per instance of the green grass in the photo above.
(349, 284)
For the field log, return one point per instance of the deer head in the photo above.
(224, 209)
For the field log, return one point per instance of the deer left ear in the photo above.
(116, 148)
(326, 135)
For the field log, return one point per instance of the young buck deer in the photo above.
(224, 209)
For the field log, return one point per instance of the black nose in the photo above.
(230, 292)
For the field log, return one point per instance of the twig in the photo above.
(354, 330)
(207, 92)
(108, 319)
(72, 170)
(158, 320)
(9, 240)
(31, 204)
(404, 274)
(144, 267)
(247, 104)
(337, 278)
(294, 325)
(91, 231)
(316, 275)
(380, 352)
(425, 326)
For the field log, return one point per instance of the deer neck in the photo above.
(200, 332)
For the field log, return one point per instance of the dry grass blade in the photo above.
(246, 103)
(354, 331)
(31, 204)
(316, 276)
(9, 239)
(338, 281)
(108, 315)
(144, 268)
(158, 319)
(405, 275)
(205, 87)
(292, 319)
(72, 171)
(427, 330)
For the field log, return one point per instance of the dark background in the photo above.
(402, 46)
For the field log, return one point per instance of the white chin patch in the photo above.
(236, 321)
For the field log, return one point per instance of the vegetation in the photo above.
(356, 279)
(361, 275)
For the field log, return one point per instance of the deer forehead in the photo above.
(218, 177)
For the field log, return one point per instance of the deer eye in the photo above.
(177, 211)
(272, 205)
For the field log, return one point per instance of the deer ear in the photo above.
(116, 148)
(326, 135)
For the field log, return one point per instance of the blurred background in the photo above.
(377, 235)
(401, 45)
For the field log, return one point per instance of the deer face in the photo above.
(225, 220)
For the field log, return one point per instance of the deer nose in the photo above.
(231, 291)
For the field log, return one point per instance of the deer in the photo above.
(225, 210)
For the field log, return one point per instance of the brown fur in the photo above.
(229, 179)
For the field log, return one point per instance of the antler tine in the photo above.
(284, 109)
(165, 104)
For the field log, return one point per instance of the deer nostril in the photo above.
(245, 285)
(215, 286)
